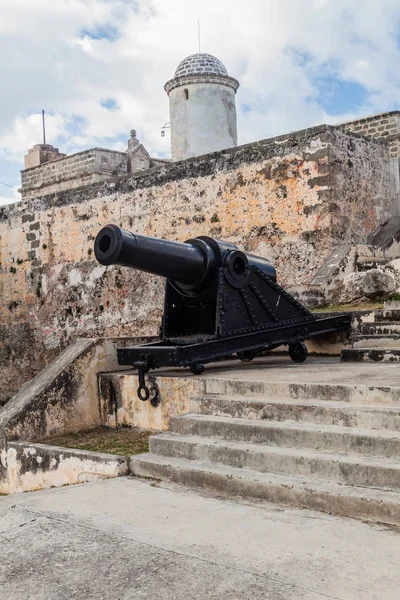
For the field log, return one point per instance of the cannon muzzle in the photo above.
(186, 263)
(191, 264)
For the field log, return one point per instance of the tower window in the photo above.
(186, 94)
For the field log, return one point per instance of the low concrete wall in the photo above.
(38, 466)
(63, 398)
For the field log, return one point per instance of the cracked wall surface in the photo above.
(292, 199)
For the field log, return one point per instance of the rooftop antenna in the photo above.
(198, 32)
(44, 128)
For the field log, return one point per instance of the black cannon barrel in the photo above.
(185, 263)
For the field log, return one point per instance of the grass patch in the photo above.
(349, 307)
(125, 442)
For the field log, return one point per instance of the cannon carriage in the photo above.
(219, 303)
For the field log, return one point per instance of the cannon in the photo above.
(219, 303)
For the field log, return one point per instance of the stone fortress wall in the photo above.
(293, 198)
(385, 126)
(98, 164)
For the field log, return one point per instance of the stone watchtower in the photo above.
(202, 107)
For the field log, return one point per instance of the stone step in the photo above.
(370, 354)
(380, 329)
(340, 468)
(323, 412)
(330, 438)
(373, 505)
(387, 314)
(355, 393)
(391, 305)
(375, 341)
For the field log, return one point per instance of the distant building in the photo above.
(47, 171)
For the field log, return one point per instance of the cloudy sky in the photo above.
(98, 67)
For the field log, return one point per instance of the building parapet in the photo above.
(72, 171)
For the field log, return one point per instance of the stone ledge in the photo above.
(34, 466)
(62, 398)
(73, 157)
(36, 185)
(29, 406)
(201, 78)
(370, 118)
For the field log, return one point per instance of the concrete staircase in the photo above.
(323, 447)
(377, 339)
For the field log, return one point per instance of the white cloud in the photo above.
(25, 131)
(279, 50)
(13, 197)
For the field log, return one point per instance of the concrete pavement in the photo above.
(126, 538)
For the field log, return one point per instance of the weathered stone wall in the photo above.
(385, 126)
(82, 168)
(293, 199)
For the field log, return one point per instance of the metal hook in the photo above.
(143, 390)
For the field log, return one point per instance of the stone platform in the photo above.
(316, 369)
(323, 435)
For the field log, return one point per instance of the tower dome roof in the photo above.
(201, 64)
(201, 68)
